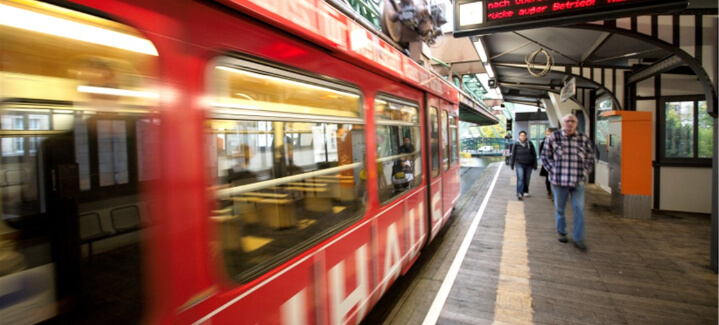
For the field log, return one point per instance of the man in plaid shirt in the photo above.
(568, 157)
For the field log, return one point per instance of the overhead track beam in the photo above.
(579, 78)
(658, 67)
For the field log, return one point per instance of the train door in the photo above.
(434, 166)
(450, 161)
(401, 222)
(76, 147)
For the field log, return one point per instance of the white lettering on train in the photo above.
(436, 85)
(360, 41)
(302, 12)
(332, 27)
(269, 5)
(294, 311)
(415, 233)
(391, 256)
(437, 206)
(341, 304)
(387, 57)
(423, 77)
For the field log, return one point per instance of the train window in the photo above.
(445, 140)
(399, 156)
(434, 140)
(111, 150)
(15, 146)
(73, 88)
(250, 87)
(286, 174)
(454, 150)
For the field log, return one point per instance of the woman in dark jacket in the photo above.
(525, 159)
(543, 172)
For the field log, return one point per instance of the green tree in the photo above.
(705, 132)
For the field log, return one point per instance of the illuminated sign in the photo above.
(474, 17)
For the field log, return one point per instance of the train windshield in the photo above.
(286, 154)
(77, 143)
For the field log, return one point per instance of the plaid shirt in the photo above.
(568, 159)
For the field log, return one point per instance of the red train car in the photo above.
(207, 162)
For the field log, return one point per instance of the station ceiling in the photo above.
(569, 47)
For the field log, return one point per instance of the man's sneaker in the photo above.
(563, 238)
(579, 245)
(519, 197)
(526, 194)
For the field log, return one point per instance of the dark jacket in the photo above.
(524, 155)
(406, 148)
(543, 171)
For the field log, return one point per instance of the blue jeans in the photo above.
(524, 173)
(561, 193)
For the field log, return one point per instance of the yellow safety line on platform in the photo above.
(514, 295)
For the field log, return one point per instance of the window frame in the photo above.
(695, 160)
(453, 144)
(401, 124)
(446, 145)
(601, 125)
(23, 109)
(275, 70)
(97, 191)
(434, 147)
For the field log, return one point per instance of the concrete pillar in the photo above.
(551, 113)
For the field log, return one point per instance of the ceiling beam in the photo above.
(603, 38)
(580, 78)
(509, 51)
(519, 101)
(566, 67)
(658, 67)
(626, 55)
(526, 86)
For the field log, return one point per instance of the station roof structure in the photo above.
(571, 48)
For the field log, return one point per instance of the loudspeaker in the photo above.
(492, 83)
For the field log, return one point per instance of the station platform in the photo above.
(499, 262)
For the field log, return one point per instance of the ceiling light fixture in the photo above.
(37, 22)
(117, 92)
(490, 72)
(480, 49)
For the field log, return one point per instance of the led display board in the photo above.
(472, 17)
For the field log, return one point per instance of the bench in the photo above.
(91, 230)
(265, 195)
(341, 186)
(246, 207)
(277, 213)
(317, 196)
(124, 220)
(275, 210)
(229, 229)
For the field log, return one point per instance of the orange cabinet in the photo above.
(630, 162)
